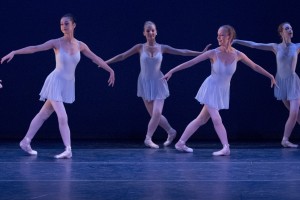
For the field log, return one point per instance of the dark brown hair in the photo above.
(70, 16)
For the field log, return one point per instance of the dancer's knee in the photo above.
(62, 119)
(293, 116)
(217, 121)
(200, 120)
(157, 113)
(44, 114)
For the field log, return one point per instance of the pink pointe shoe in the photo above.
(223, 152)
(148, 142)
(288, 144)
(25, 146)
(66, 154)
(171, 137)
(180, 146)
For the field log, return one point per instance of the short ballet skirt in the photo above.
(288, 88)
(57, 88)
(214, 95)
(152, 89)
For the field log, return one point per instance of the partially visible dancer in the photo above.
(214, 92)
(1, 84)
(151, 87)
(59, 87)
(288, 90)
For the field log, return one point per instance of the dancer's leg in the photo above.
(293, 107)
(35, 125)
(191, 128)
(221, 131)
(163, 122)
(39, 119)
(287, 105)
(63, 128)
(154, 121)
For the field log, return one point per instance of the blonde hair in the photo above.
(231, 31)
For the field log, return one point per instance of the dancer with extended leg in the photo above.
(214, 92)
(59, 87)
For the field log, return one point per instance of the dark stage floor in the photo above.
(121, 170)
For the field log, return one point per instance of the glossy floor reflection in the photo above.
(122, 170)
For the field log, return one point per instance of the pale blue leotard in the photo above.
(150, 84)
(287, 80)
(60, 83)
(215, 90)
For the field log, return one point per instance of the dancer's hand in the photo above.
(206, 48)
(111, 80)
(8, 57)
(273, 82)
(167, 76)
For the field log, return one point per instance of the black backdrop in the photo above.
(113, 26)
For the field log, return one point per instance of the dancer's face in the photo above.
(66, 25)
(223, 37)
(287, 31)
(150, 32)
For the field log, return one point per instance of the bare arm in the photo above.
(257, 68)
(30, 49)
(188, 64)
(183, 52)
(261, 46)
(135, 49)
(96, 59)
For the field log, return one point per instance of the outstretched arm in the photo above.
(96, 59)
(257, 68)
(188, 64)
(135, 49)
(261, 46)
(183, 52)
(30, 49)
